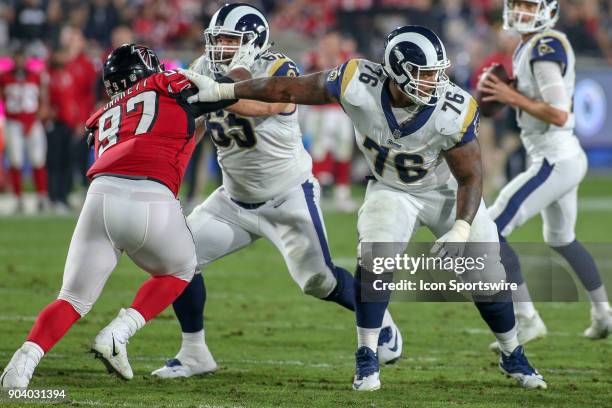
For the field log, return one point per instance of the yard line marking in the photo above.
(478, 330)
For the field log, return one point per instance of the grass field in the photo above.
(278, 348)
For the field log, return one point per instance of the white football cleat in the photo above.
(185, 366)
(527, 328)
(390, 345)
(110, 346)
(367, 372)
(601, 325)
(19, 371)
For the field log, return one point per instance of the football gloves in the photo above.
(453, 242)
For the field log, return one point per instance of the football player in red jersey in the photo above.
(143, 139)
(24, 94)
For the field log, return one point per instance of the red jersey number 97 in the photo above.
(110, 122)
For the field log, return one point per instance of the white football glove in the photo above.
(208, 89)
(453, 242)
(245, 56)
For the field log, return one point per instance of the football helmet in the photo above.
(241, 22)
(544, 17)
(127, 65)
(415, 59)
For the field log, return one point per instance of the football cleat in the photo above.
(187, 367)
(390, 345)
(601, 325)
(18, 372)
(527, 329)
(367, 372)
(516, 366)
(110, 346)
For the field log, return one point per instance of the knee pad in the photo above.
(558, 238)
(319, 284)
(82, 306)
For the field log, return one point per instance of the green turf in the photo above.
(278, 348)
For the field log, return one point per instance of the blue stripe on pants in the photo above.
(344, 292)
(521, 195)
(316, 220)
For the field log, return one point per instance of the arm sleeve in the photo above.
(201, 108)
(549, 78)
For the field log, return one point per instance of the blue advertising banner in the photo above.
(593, 107)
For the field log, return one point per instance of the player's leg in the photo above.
(322, 160)
(495, 308)
(15, 145)
(294, 224)
(91, 259)
(144, 219)
(523, 198)
(387, 216)
(216, 232)
(341, 127)
(559, 221)
(36, 148)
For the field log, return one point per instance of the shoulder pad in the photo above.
(550, 46)
(278, 64)
(339, 78)
(459, 119)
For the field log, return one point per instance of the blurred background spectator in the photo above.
(72, 38)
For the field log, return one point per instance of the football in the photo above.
(489, 109)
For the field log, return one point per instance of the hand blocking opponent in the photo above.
(268, 191)
(418, 133)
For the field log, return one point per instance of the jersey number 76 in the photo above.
(409, 166)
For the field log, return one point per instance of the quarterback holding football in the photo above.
(544, 67)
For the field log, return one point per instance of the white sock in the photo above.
(387, 319)
(368, 338)
(508, 341)
(524, 306)
(194, 349)
(191, 340)
(599, 300)
(35, 350)
(134, 320)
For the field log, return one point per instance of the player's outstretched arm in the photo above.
(305, 90)
(464, 162)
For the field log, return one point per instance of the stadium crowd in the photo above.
(66, 41)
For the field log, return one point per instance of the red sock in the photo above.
(40, 179)
(156, 294)
(343, 172)
(322, 169)
(52, 323)
(15, 177)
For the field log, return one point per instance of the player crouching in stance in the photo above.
(415, 129)
(143, 140)
(268, 191)
(544, 67)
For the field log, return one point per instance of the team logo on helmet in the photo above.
(146, 55)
